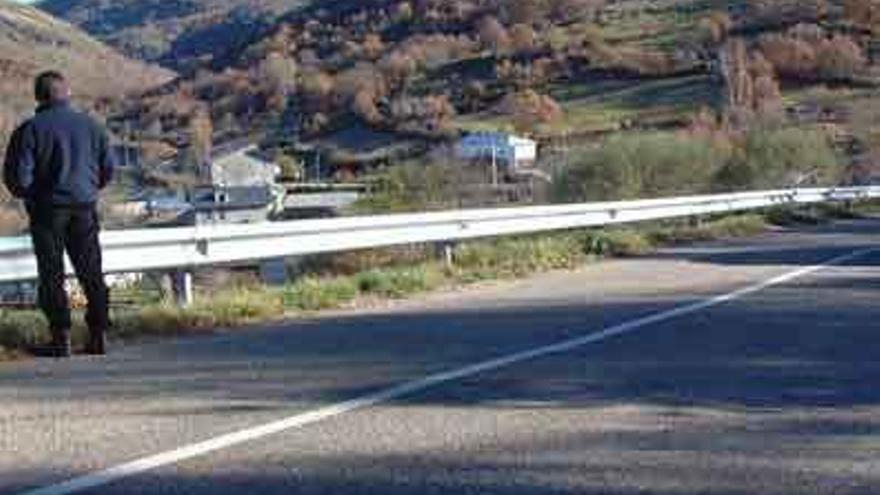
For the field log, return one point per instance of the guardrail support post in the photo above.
(183, 288)
(165, 285)
(446, 250)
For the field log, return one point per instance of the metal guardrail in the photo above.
(190, 247)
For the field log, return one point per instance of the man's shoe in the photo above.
(97, 344)
(59, 347)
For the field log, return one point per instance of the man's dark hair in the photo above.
(50, 87)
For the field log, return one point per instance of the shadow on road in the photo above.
(812, 343)
(804, 246)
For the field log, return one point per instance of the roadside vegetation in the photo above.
(630, 166)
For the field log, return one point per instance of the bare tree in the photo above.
(863, 13)
(738, 86)
(493, 35)
(522, 37)
(529, 108)
(201, 132)
(839, 58)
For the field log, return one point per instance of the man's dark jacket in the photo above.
(60, 157)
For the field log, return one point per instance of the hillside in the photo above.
(179, 33)
(32, 41)
(350, 87)
(552, 67)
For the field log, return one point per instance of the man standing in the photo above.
(57, 162)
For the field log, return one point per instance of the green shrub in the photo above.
(241, 306)
(724, 228)
(398, 282)
(769, 158)
(517, 257)
(312, 294)
(161, 319)
(19, 329)
(645, 165)
(632, 166)
(416, 187)
(354, 262)
(617, 242)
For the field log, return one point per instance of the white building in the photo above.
(502, 149)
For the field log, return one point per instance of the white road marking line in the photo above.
(146, 464)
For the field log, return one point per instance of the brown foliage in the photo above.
(811, 33)
(12, 222)
(767, 96)
(364, 105)
(863, 13)
(839, 58)
(363, 77)
(201, 133)
(319, 84)
(751, 85)
(529, 108)
(704, 124)
(715, 27)
(493, 35)
(806, 55)
(280, 74)
(522, 38)
(435, 49)
(792, 57)
(372, 46)
(398, 66)
(430, 114)
(524, 11)
(524, 74)
(642, 61)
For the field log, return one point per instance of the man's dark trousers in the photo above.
(72, 228)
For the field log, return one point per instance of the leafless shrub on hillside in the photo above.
(863, 13)
(493, 35)
(750, 84)
(792, 57)
(522, 38)
(430, 114)
(839, 58)
(529, 108)
(805, 54)
(715, 27)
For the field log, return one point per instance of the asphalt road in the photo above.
(771, 390)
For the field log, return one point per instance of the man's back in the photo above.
(59, 157)
(57, 162)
